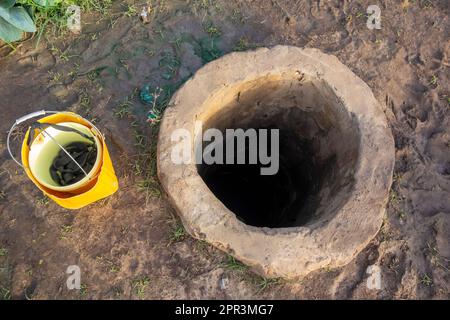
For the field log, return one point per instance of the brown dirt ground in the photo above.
(123, 244)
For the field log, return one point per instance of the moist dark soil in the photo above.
(131, 244)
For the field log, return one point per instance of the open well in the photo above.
(318, 149)
(328, 198)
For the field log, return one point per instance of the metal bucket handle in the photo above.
(37, 114)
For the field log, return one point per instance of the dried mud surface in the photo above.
(130, 246)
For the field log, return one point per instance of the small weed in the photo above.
(111, 267)
(207, 50)
(243, 44)
(170, 64)
(394, 197)
(2, 194)
(3, 252)
(397, 177)
(202, 5)
(235, 265)
(131, 11)
(123, 109)
(384, 234)
(151, 186)
(426, 4)
(95, 73)
(401, 215)
(237, 16)
(139, 286)
(114, 268)
(83, 290)
(433, 81)
(55, 77)
(40, 237)
(5, 294)
(426, 280)
(394, 264)
(74, 72)
(61, 55)
(177, 234)
(42, 200)
(265, 283)
(436, 258)
(123, 63)
(65, 230)
(177, 42)
(160, 32)
(202, 246)
(212, 31)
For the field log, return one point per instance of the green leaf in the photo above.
(19, 18)
(6, 4)
(8, 32)
(47, 3)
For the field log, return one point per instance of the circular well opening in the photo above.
(318, 150)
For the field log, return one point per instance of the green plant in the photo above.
(131, 11)
(65, 231)
(426, 280)
(139, 285)
(433, 80)
(212, 30)
(83, 290)
(66, 228)
(436, 258)
(207, 50)
(123, 109)
(42, 200)
(14, 21)
(265, 283)
(17, 16)
(235, 265)
(3, 252)
(177, 234)
(5, 293)
(243, 44)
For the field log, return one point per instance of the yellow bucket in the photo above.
(103, 184)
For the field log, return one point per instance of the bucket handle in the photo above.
(34, 115)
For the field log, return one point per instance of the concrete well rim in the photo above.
(287, 252)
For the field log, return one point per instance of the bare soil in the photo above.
(131, 245)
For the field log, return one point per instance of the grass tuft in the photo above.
(139, 286)
(235, 265)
